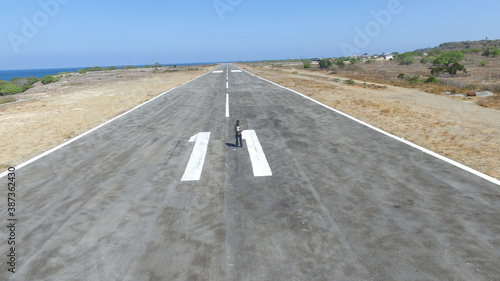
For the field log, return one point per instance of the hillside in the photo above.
(463, 45)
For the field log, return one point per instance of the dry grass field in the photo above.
(455, 127)
(479, 77)
(47, 115)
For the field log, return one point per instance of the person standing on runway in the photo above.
(238, 129)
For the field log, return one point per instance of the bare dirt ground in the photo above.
(457, 128)
(47, 115)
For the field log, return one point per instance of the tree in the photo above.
(448, 62)
(407, 58)
(401, 76)
(325, 63)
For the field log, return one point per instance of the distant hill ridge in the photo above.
(464, 45)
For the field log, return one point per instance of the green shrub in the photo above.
(353, 60)
(427, 59)
(412, 80)
(32, 80)
(340, 62)
(349, 82)
(307, 63)
(49, 79)
(407, 58)
(432, 79)
(9, 88)
(85, 70)
(21, 82)
(325, 63)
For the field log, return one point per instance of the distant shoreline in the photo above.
(8, 75)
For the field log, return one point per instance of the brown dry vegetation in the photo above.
(454, 127)
(47, 115)
(477, 78)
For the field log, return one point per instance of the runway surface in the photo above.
(161, 193)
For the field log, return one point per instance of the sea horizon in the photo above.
(8, 75)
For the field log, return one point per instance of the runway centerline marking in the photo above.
(197, 159)
(259, 161)
(227, 105)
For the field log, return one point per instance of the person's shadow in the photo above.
(231, 144)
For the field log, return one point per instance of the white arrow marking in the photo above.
(259, 162)
(195, 164)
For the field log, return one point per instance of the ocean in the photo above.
(7, 75)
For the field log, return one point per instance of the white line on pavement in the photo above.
(259, 162)
(425, 150)
(26, 163)
(227, 105)
(197, 159)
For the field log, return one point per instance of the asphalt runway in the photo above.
(161, 193)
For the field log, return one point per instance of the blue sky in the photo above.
(77, 33)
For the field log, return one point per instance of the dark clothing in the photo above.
(238, 128)
(238, 138)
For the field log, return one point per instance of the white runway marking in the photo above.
(259, 161)
(227, 105)
(425, 150)
(26, 163)
(218, 71)
(227, 85)
(236, 71)
(197, 159)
